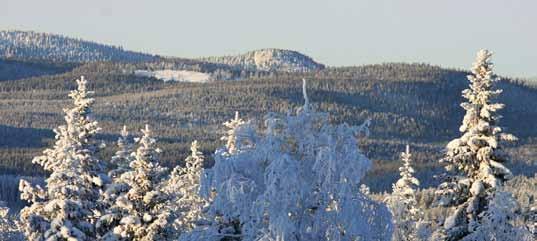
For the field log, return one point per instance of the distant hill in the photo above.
(35, 46)
(16, 69)
(269, 60)
(531, 81)
(29, 45)
(417, 104)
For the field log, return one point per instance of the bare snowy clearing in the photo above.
(175, 75)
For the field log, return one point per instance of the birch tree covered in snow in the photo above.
(478, 161)
(138, 212)
(402, 202)
(67, 206)
(297, 178)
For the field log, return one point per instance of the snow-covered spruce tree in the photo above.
(67, 207)
(478, 163)
(183, 187)
(138, 212)
(532, 221)
(298, 178)
(402, 202)
(122, 158)
(9, 230)
(232, 133)
(120, 162)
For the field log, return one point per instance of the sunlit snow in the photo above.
(175, 75)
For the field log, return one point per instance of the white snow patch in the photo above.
(175, 75)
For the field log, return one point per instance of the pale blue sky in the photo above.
(335, 32)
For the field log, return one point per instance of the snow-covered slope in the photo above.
(176, 75)
(45, 46)
(269, 60)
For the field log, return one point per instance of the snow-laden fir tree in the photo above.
(9, 230)
(120, 162)
(297, 178)
(122, 158)
(402, 202)
(532, 221)
(138, 212)
(67, 207)
(183, 187)
(478, 162)
(233, 133)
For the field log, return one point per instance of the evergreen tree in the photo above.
(298, 178)
(477, 159)
(402, 202)
(186, 205)
(138, 212)
(9, 230)
(237, 133)
(67, 208)
(122, 157)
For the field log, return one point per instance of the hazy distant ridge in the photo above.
(270, 60)
(29, 45)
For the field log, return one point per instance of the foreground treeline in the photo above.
(293, 176)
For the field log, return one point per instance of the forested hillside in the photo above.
(16, 69)
(407, 103)
(52, 47)
(269, 60)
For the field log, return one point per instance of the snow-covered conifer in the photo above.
(237, 132)
(67, 207)
(298, 178)
(532, 221)
(183, 187)
(138, 212)
(496, 221)
(402, 202)
(476, 158)
(122, 157)
(9, 230)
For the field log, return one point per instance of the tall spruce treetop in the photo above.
(402, 202)
(478, 152)
(67, 207)
(296, 178)
(138, 212)
(183, 187)
(477, 157)
(232, 133)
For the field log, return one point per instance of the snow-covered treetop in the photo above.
(186, 205)
(402, 202)
(305, 94)
(482, 137)
(65, 209)
(476, 158)
(122, 158)
(407, 179)
(481, 93)
(138, 210)
(146, 151)
(297, 179)
(77, 132)
(237, 134)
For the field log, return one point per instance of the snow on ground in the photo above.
(175, 75)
